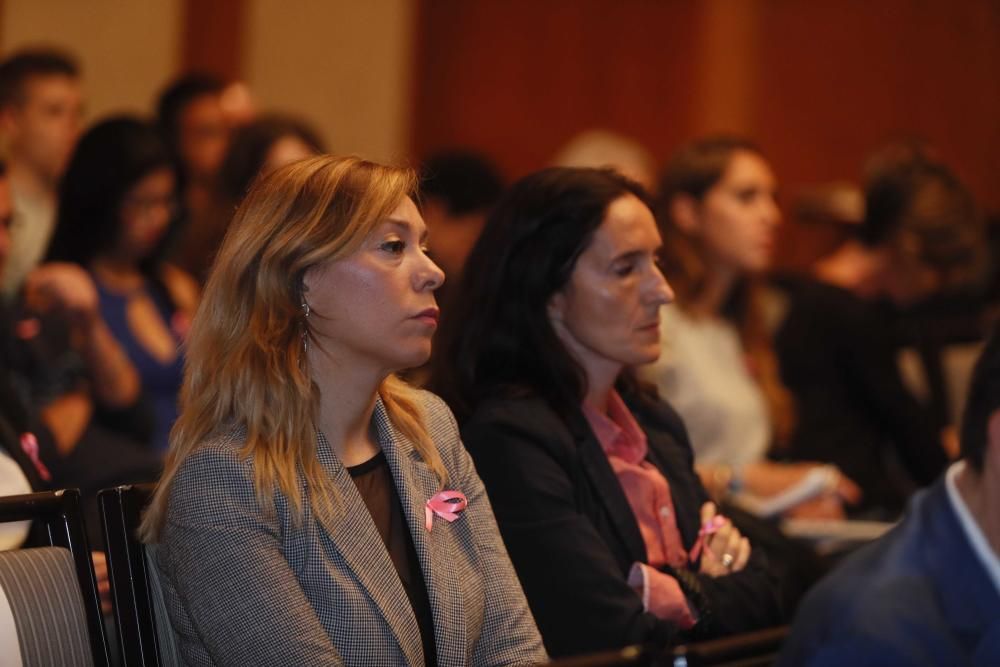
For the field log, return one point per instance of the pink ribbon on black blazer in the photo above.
(446, 504)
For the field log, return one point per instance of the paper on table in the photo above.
(832, 529)
(816, 482)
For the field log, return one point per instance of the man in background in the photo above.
(41, 104)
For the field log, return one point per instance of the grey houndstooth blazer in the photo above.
(245, 589)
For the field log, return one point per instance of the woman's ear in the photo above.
(684, 211)
(556, 307)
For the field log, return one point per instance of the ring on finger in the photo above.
(727, 560)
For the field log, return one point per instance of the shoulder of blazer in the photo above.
(529, 416)
(217, 467)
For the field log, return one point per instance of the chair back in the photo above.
(41, 609)
(144, 637)
(630, 656)
(52, 592)
(750, 649)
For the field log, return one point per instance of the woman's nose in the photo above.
(430, 277)
(660, 291)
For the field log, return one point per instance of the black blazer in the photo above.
(573, 537)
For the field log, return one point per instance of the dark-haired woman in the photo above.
(116, 207)
(591, 478)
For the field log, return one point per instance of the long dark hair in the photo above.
(110, 159)
(497, 339)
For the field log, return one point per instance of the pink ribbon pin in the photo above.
(446, 504)
(710, 527)
(29, 443)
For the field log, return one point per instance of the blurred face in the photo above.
(284, 151)
(204, 136)
(376, 307)
(737, 218)
(42, 130)
(608, 314)
(6, 216)
(146, 213)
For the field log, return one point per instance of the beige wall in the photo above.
(127, 49)
(343, 65)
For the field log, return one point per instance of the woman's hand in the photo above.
(67, 287)
(103, 583)
(725, 550)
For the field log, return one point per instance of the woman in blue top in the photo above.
(116, 214)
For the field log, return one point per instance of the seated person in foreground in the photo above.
(315, 510)
(928, 593)
(592, 478)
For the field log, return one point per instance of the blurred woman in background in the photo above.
(718, 214)
(117, 206)
(257, 148)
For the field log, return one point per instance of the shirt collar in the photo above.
(980, 546)
(617, 431)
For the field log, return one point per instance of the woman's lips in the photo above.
(428, 316)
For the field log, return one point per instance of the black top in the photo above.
(837, 357)
(572, 536)
(373, 478)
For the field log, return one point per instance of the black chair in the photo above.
(630, 656)
(58, 515)
(751, 649)
(134, 592)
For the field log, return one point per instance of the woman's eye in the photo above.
(623, 270)
(395, 247)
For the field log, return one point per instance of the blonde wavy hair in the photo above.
(246, 364)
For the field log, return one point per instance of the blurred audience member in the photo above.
(457, 191)
(261, 147)
(238, 104)
(837, 346)
(63, 377)
(191, 116)
(256, 149)
(718, 212)
(824, 217)
(41, 105)
(193, 120)
(928, 593)
(599, 149)
(116, 205)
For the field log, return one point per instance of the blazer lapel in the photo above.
(415, 484)
(353, 535)
(609, 489)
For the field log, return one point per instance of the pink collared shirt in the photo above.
(648, 494)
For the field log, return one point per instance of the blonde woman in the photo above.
(314, 509)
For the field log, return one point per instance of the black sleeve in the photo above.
(870, 360)
(575, 586)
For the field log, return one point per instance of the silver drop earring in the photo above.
(305, 326)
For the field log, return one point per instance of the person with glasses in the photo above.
(117, 206)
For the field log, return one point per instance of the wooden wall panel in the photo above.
(818, 84)
(212, 35)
